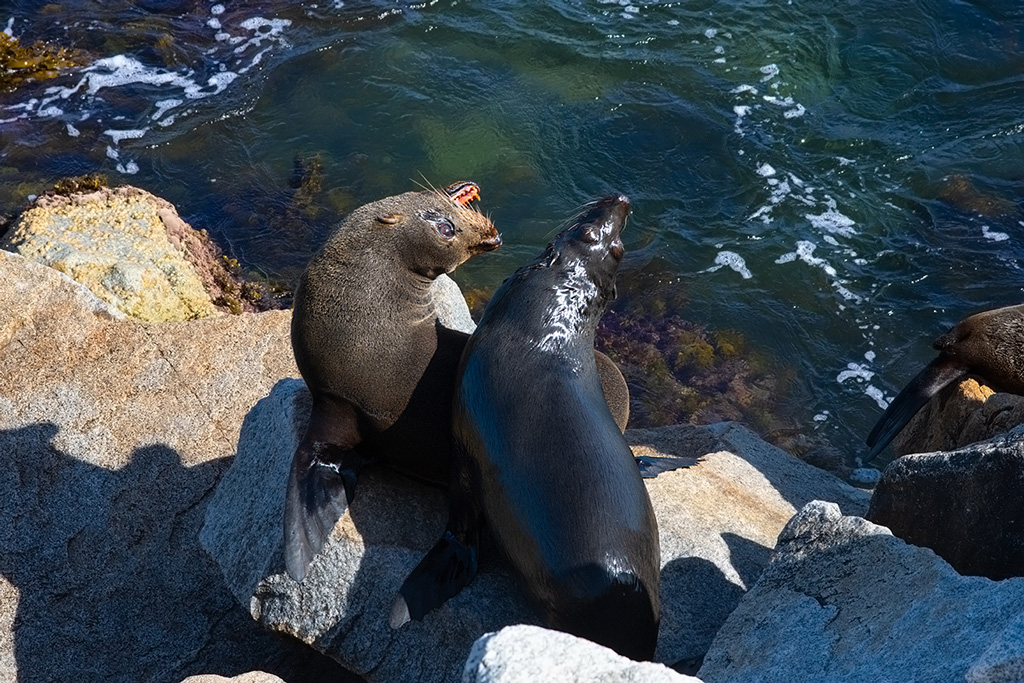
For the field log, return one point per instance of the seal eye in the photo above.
(445, 227)
(591, 234)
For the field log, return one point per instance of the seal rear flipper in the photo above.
(319, 491)
(930, 381)
(653, 465)
(448, 568)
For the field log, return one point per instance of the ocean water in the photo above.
(837, 181)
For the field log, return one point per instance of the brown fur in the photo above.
(988, 345)
(379, 366)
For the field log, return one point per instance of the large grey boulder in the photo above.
(967, 505)
(527, 654)
(718, 521)
(113, 435)
(845, 600)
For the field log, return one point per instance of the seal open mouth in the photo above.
(463, 192)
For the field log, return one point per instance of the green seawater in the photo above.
(838, 182)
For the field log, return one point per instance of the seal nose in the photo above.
(491, 243)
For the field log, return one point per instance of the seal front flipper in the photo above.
(653, 465)
(613, 384)
(930, 381)
(320, 487)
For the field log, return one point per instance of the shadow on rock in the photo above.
(108, 576)
(341, 608)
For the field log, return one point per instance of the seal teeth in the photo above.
(463, 192)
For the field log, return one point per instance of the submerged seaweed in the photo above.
(38, 61)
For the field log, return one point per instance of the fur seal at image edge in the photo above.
(379, 366)
(988, 345)
(541, 464)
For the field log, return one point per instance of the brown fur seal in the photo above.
(988, 345)
(541, 463)
(378, 364)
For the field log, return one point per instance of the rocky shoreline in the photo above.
(143, 488)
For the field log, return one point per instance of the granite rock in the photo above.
(966, 505)
(845, 600)
(249, 677)
(113, 434)
(718, 521)
(526, 654)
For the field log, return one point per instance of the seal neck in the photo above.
(556, 309)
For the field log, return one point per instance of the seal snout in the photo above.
(605, 220)
(491, 243)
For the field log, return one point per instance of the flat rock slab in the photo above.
(527, 654)
(845, 600)
(967, 505)
(718, 521)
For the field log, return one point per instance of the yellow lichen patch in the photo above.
(38, 61)
(114, 242)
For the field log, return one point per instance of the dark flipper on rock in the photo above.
(320, 487)
(449, 566)
(930, 381)
(613, 384)
(653, 465)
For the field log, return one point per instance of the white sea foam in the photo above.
(118, 135)
(251, 41)
(740, 110)
(832, 221)
(855, 371)
(770, 71)
(733, 261)
(876, 393)
(992, 235)
(821, 417)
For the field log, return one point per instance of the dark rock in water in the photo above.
(966, 505)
